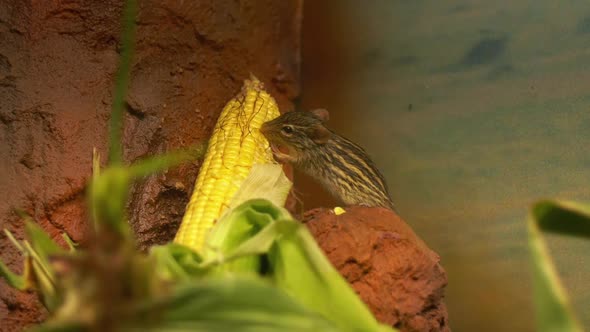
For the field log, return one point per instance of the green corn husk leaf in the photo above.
(259, 244)
(296, 264)
(265, 181)
(552, 306)
(176, 262)
(180, 263)
(230, 304)
(243, 223)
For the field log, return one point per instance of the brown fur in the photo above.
(342, 167)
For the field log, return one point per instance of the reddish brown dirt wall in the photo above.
(57, 62)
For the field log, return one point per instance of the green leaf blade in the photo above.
(300, 267)
(553, 310)
(43, 245)
(156, 164)
(122, 83)
(566, 218)
(13, 279)
(231, 304)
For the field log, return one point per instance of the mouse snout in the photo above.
(265, 129)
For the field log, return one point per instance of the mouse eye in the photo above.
(287, 130)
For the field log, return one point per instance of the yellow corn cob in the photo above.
(235, 146)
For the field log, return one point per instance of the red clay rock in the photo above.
(394, 272)
(57, 66)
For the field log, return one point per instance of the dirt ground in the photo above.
(394, 272)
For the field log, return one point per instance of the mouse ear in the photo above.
(321, 113)
(320, 134)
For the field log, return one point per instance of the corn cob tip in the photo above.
(252, 83)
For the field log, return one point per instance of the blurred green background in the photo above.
(473, 110)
